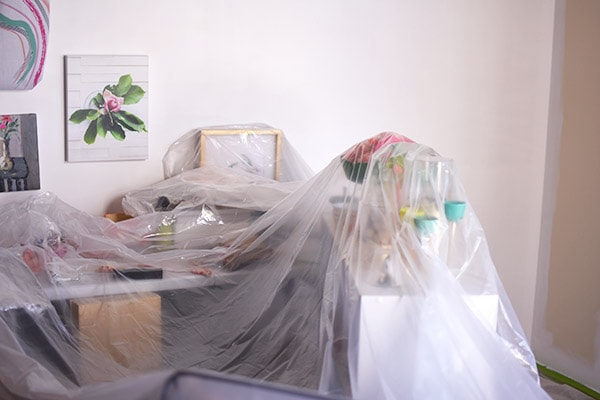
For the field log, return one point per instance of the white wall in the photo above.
(469, 78)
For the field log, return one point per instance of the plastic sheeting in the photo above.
(370, 280)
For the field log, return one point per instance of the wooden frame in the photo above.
(256, 151)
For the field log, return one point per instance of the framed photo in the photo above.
(106, 107)
(254, 151)
(19, 165)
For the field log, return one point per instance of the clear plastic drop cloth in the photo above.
(200, 208)
(369, 280)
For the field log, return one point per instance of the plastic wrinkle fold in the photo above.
(369, 280)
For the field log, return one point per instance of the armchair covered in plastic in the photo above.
(369, 280)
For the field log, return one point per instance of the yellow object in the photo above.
(409, 214)
(117, 217)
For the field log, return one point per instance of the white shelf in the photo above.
(103, 284)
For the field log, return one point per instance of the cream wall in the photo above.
(471, 79)
(567, 318)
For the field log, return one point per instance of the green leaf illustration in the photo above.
(98, 100)
(90, 133)
(101, 121)
(102, 126)
(117, 132)
(134, 95)
(108, 120)
(123, 86)
(130, 121)
(80, 115)
(93, 114)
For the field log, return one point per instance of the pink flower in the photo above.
(4, 120)
(385, 138)
(362, 152)
(112, 103)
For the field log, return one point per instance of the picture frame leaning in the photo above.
(256, 151)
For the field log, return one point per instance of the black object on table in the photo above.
(138, 273)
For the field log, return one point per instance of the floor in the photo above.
(558, 391)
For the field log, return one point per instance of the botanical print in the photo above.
(19, 168)
(24, 39)
(106, 107)
(107, 116)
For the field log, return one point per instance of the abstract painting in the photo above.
(106, 108)
(19, 165)
(23, 42)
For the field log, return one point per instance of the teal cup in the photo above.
(425, 224)
(454, 210)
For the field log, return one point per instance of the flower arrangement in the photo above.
(356, 160)
(108, 115)
(8, 125)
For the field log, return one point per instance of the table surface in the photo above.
(103, 284)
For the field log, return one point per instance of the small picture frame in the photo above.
(19, 165)
(253, 151)
(106, 104)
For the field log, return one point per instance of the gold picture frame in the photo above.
(256, 151)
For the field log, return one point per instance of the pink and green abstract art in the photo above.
(23, 42)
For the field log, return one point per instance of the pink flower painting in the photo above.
(108, 115)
